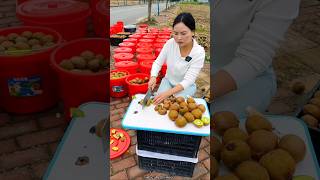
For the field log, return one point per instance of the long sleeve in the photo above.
(257, 48)
(194, 69)
(157, 64)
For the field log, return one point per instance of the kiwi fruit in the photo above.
(294, 145)
(21, 39)
(262, 142)
(99, 56)
(22, 46)
(32, 42)
(233, 134)
(166, 105)
(12, 36)
(66, 64)
(167, 101)
(180, 99)
(27, 34)
(183, 110)
(234, 152)
(312, 109)
(157, 107)
(192, 106)
(251, 170)
(183, 104)
(36, 47)
(94, 65)
(202, 108)
(224, 120)
(2, 38)
(227, 177)
(173, 115)
(279, 164)
(2, 48)
(174, 106)
(256, 121)
(216, 147)
(310, 120)
(49, 44)
(315, 101)
(197, 113)
(104, 64)
(190, 100)
(162, 111)
(88, 55)
(7, 44)
(298, 87)
(317, 94)
(78, 62)
(38, 35)
(189, 117)
(181, 121)
(214, 169)
(47, 38)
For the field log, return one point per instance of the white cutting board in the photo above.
(149, 120)
(290, 125)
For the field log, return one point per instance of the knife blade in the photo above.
(146, 98)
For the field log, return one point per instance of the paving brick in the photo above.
(17, 174)
(119, 176)
(122, 105)
(202, 155)
(114, 102)
(126, 99)
(207, 163)
(39, 169)
(131, 133)
(135, 171)
(119, 111)
(157, 175)
(131, 151)
(134, 140)
(6, 9)
(27, 117)
(199, 171)
(203, 143)
(4, 119)
(116, 124)
(42, 137)
(17, 129)
(7, 146)
(50, 121)
(53, 147)
(21, 158)
(207, 149)
(123, 164)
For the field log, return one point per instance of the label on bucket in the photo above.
(25, 86)
(117, 88)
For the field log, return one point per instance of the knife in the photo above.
(146, 98)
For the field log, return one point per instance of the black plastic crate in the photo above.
(168, 143)
(174, 168)
(314, 132)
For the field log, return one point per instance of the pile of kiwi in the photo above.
(183, 111)
(117, 75)
(257, 153)
(139, 80)
(311, 111)
(86, 62)
(26, 41)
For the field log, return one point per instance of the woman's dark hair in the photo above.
(187, 19)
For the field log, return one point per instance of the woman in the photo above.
(246, 34)
(184, 58)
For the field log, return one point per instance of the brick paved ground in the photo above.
(28, 142)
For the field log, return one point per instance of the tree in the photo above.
(149, 10)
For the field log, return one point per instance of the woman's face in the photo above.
(182, 34)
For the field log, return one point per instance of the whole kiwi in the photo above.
(162, 111)
(262, 142)
(214, 170)
(256, 121)
(12, 36)
(197, 113)
(251, 170)
(310, 120)
(189, 117)
(87, 55)
(183, 104)
(27, 34)
(180, 99)
(315, 101)
(312, 109)
(317, 94)
(94, 65)
(181, 121)
(66, 64)
(183, 110)
(279, 164)
(100, 56)
(174, 106)
(166, 105)
(227, 177)
(192, 106)
(173, 115)
(234, 152)
(202, 107)
(224, 120)
(215, 147)
(233, 134)
(190, 100)
(78, 62)
(294, 145)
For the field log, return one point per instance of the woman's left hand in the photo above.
(160, 97)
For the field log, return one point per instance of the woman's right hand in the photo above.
(152, 82)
